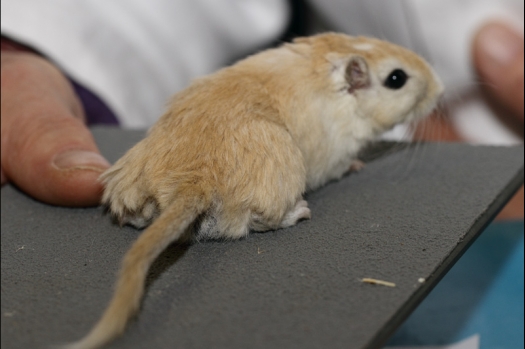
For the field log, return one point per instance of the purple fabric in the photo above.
(97, 112)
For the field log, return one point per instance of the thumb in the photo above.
(498, 58)
(47, 151)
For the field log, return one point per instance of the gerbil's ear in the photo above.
(356, 74)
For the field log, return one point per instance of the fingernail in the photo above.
(500, 44)
(81, 159)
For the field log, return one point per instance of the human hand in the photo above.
(46, 149)
(497, 54)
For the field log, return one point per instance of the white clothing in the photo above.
(136, 53)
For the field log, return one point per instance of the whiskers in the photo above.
(410, 145)
(437, 127)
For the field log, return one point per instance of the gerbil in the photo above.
(236, 150)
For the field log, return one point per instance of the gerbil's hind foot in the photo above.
(298, 213)
(140, 218)
(128, 199)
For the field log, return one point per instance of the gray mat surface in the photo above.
(408, 215)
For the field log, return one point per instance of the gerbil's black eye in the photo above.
(396, 79)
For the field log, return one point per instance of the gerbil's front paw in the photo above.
(356, 166)
(298, 213)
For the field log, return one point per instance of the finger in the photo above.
(498, 58)
(47, 151)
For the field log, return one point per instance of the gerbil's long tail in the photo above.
(167, 228)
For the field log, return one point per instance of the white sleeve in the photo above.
(442, 31)
(136, 53)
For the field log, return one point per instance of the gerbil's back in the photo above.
(215, 115)
(224, 132)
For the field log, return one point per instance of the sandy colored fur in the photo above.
(236, 150)
(130, 286)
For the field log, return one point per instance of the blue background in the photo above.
(482, 294)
